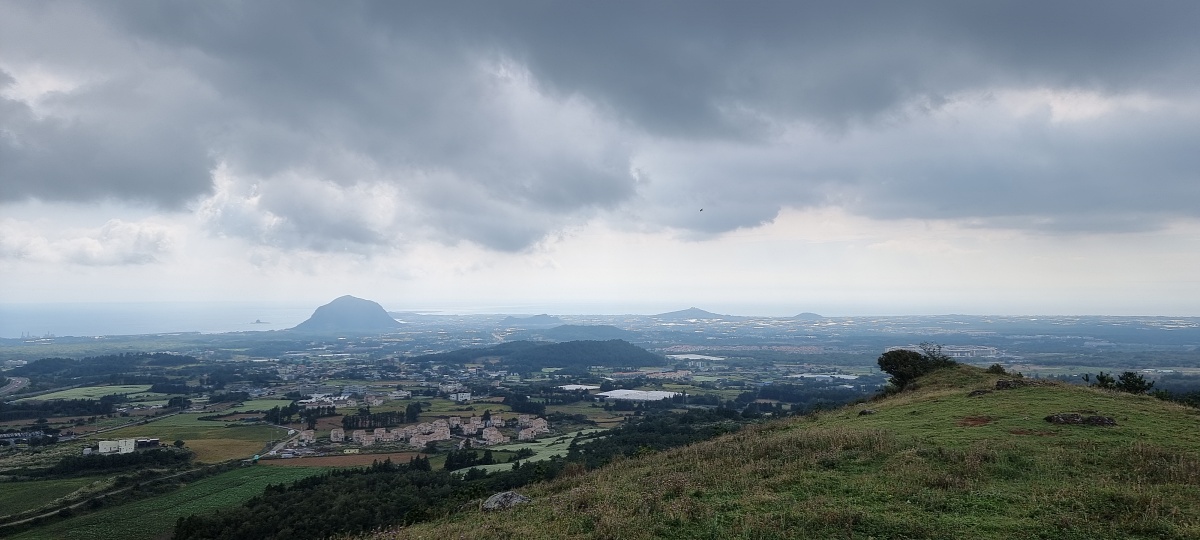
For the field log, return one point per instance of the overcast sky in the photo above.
(609, 157)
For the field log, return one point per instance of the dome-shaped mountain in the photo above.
(349, 314)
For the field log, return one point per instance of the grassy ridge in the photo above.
(155, 517)
(931, 463)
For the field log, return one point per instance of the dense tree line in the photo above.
(59, 407)
(529, 356)
(520, 403)
(97, 365)
(228, 397)
(467, 457)
(282, 415)
(93, 463)
(348, 502)
(653, 432)
(612, 353)
(369, 420)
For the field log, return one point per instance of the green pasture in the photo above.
(258, 405)
(155, 517)
(1022, 410)
(596, 414)
(97, 392)
(542, 449)
(17, 497)
(211, 440)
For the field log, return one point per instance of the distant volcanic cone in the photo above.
(349, 315)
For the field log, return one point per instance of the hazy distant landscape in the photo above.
(358, 270)
(285, 403)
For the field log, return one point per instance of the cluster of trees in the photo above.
(520, 403)
(905, 366)
(365, 419)
(94, 366)
(349, 502)
(803, 398)
(94, 463)
(467, 457)
(530, 356)
(653, 432)
(228, 397)
(1129, 381)
(282, 415)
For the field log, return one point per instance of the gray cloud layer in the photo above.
(359, 125)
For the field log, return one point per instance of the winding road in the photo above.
(14, 384)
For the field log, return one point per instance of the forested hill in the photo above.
(524, 356)
(958, 456)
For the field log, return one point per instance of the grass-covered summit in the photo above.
(931, 462)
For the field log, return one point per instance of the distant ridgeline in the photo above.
(526, 356)
(99, 365)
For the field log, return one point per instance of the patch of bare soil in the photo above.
(974, 421)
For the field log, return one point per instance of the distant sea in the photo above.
(115, 319)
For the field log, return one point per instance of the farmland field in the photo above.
(542, 449)
(212, 441)
(601, 417)
(259, 405)
(17, 497)
(96, 392)
(155, 517)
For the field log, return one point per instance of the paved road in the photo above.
(14, 384)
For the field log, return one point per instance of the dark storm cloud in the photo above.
(499, 122)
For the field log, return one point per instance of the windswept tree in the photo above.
(906, 365)
(1128, 381)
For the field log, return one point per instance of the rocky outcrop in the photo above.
(503, 500)
(1009, 384)
(1079, 419)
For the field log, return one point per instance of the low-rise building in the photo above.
(492, 436)
(121, 446)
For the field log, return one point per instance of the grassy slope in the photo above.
(932, 463)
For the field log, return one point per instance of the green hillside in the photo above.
(932, 462)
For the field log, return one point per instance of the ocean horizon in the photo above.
(134, 318)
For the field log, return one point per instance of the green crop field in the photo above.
(155, 517)
(259, 405)
(598, 415)
(542, 449)
(212, 440)
(96, 392)
(17, 497)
